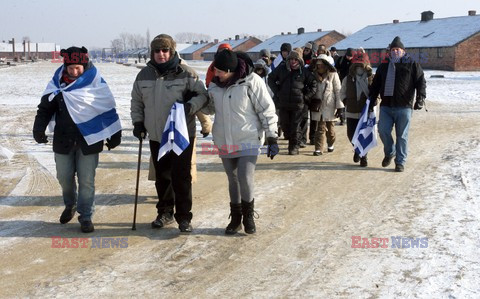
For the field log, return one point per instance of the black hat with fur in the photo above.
(75, 55)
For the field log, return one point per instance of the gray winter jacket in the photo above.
(244, 112)
(153, 96)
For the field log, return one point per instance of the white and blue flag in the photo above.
(175, 134)
(365, 137)
(89, 102)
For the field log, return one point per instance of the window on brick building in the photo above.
(440, 52)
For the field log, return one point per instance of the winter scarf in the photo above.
(240, 72)
(390, 80)
(166, 66)
(361, 84)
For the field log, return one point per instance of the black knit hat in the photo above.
(286, 47)
(226, 61)
(397, 43)
(349, 52)
(75, 55)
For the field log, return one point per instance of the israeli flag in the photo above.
(89, 102)
(175, 134)
(365, 137)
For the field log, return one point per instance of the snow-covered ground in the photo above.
(295, 253)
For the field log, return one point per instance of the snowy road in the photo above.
(311, 209)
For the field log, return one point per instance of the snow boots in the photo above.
(247, 213)
(236, 215)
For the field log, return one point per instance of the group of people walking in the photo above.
(245, 96)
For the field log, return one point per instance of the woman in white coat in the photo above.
(326, 102)
(244, 114)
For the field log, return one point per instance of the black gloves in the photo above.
(272, 148)
(40, 137)
(339, 113)
(114, 140)
(139, 130)
(189, 95)
(419, 103)
(372, 105)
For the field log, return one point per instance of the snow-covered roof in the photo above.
(443, 32)
(192, 48)
(233, 42)
(296, 40)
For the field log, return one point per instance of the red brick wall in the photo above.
(468, 54)
(330, 39)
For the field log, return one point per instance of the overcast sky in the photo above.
(95, 23)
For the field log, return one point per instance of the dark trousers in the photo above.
(351, 127)
(313, 128)
(304, 125)
(291, 120)
(173, 181)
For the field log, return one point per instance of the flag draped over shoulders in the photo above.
(365, 137)
(175, 134)
(89, 102)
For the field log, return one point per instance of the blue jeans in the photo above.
(400, 117)
(84, 166)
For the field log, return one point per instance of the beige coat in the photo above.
(329, 92)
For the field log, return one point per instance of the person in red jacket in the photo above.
(211, 68)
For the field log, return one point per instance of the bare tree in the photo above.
(117, 45)
(136, 41)
(190, 37)
(124, 37)
(148, 39)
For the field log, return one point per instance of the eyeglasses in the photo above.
(165, 50)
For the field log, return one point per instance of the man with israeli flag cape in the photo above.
(365, 137)
(82, 106)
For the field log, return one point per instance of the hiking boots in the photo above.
(236, 215)
(293, 152)
(248, 213)
(363, 162)
(356, 158)
(68, 214)
(387, 160)
(163, 219)
(399, 168)
(317, 153)
(185, 227)
(331, 149)
(86, 225)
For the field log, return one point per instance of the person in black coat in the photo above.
(73, 155)
(293, 85)
(343, 64)
(400, 82)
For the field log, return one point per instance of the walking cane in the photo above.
(138, 180)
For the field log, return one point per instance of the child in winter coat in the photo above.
(326, 103)
(354, 93)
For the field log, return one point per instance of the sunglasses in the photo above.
(165, 50)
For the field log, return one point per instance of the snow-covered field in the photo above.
(310, 209)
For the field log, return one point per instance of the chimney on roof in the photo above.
(319, 30)
(289, 33)
(472, 12)
(283, 33)
(301, 30)
(195, 43)
(237, 37)
(396, 21)
(201, 41)
(427, 16)
(229, 38)
(215, 41)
